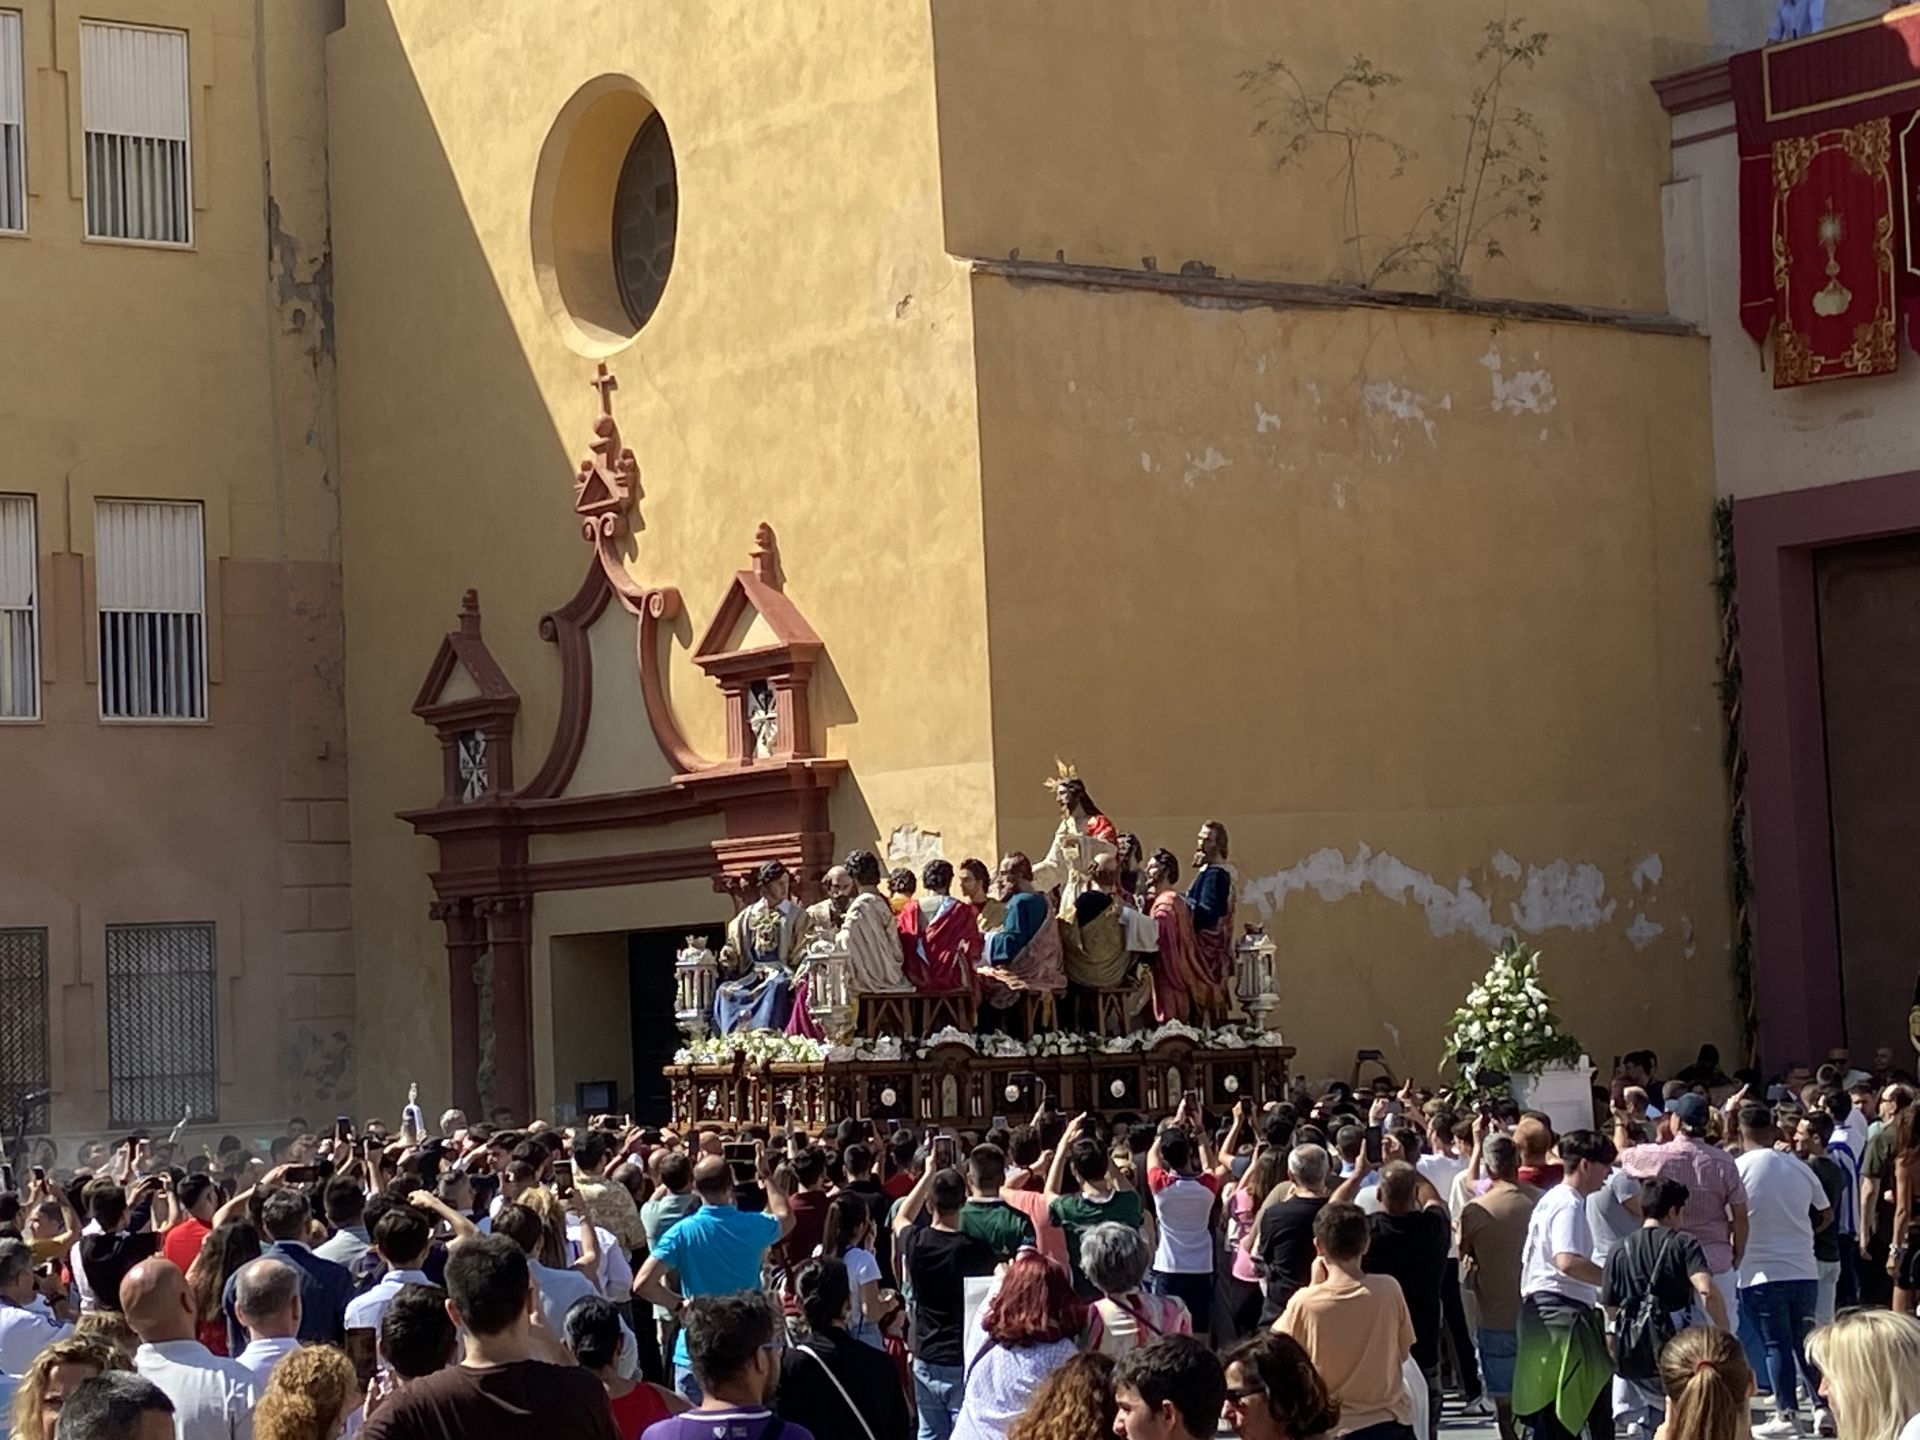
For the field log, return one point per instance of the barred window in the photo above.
(152, 591)
(24, 1066)
(133, 108)
(13, 119)
(19, 610)
(161, 1060)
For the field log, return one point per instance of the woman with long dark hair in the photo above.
(227, 1247)
(830, 1382)
(1027, 1329)
(848, 1237)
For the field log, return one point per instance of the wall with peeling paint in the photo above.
(1431, 631)
(203, 373)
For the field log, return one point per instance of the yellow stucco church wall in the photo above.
(1437, 644)
(809, 366)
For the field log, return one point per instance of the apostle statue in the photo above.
(818, 928)
(1093, 934)
(1182, 984)
(755, 990)
(939, 935)
(1082, 840)
(1211, 896)
(976, 889)
(874, 963)
(1024, 953)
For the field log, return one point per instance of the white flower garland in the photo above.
(761, 1047)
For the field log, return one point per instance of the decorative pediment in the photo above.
(469, 701)
(761, 650)
(756, 628)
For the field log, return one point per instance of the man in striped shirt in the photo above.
(1716, 1210)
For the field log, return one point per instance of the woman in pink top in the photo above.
(1268, 1169)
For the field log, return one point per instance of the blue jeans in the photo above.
(1783, 1314)
(937, 1391)
(684, 1382)
(1498, 1349)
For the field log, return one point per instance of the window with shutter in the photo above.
(152, 596)
(13, 119)
(161, 1056)
(133, 108)
(24, 1067)
(19, 610)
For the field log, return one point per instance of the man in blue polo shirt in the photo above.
(717, 1250)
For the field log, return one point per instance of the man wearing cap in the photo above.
(1716, 1210)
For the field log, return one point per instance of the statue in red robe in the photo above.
(1211, 898)
(940, 936)
(1182, 983)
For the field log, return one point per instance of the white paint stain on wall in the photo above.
(1557, 896)
(1648, 872)
(1208, 463)
(1386, 397)
(1146, 462)
(911, 846)
(1525, 392)
(1264, 419)
(1562, 896)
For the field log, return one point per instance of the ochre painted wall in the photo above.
(809, 365)
(1421, 611)
(1115, 130)
(201, 373)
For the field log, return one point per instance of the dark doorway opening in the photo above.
(651, 987)
(1869, 618)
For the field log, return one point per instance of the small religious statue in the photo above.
(1083, 839)
(939, 935)
(874, 962)
(1182, 983)
(1024, 952)
(819, 929)
(900, 889)
(1093, 933)
(756, 980)
(1211, 896)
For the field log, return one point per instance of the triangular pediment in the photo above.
(755, 618)
(464, 673)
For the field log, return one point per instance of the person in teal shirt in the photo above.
(720, 1249)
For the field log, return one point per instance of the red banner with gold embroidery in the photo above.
(1829, 130)
(1833, 221)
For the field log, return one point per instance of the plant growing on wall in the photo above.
(1507, 1023)
(1500, 168)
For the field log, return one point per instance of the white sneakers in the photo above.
(1823, 1421)
(1781, 1427)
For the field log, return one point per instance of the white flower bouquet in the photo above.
(1507, 1024)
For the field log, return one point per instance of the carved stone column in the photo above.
(509, 985)
(466, 937)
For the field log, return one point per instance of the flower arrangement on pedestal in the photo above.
(1508, 1024)
(765, 1046)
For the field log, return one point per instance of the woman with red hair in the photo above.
(1028, 1328)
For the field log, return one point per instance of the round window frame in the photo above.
(571, 220)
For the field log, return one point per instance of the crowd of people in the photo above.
(1708, 1260)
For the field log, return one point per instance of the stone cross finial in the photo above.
(766, 555)
(604, 382)
(470, 612)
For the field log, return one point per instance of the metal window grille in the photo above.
(19, 611)
(646, 211)
(24, 1065)
(161, 1055)
(13, 119)
(134, 110)
(152, 577)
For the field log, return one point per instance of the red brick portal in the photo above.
(1796, 937)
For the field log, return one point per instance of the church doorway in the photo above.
(651, 991)
(1868, 599)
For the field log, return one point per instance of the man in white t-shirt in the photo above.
(1779, 1276)
(1562, 1366)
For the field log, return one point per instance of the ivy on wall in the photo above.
(1733, 756)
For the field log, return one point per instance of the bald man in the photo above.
(213, 1398)
(267, 1300)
